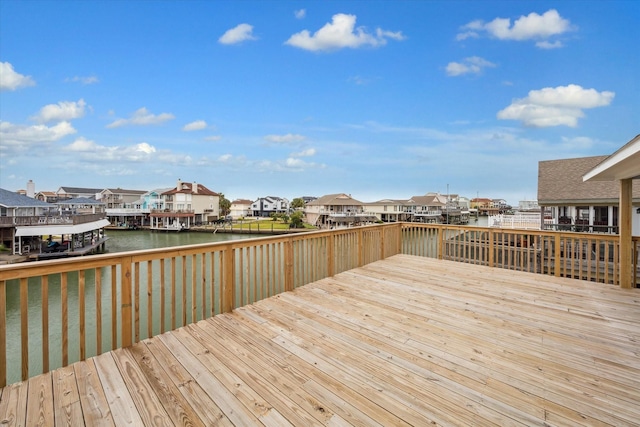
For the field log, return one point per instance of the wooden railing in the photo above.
(587, 256)
(53, 313)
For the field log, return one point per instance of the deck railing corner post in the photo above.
(228, 283)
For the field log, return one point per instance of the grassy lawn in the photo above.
(264, 224)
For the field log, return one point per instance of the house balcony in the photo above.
(40, 220)
(127, 211)
(394, 324)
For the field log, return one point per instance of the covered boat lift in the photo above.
(84, 238)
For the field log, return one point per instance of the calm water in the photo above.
(133, 240)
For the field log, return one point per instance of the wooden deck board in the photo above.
(403, 341)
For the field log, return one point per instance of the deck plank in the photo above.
(40, 411)
(67, 407)
(403, 341)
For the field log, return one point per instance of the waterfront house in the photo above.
(46, 196)
(428, 208)
(337, 210)
(114, 198)
(73, 192)
(136, 213)
(15, 210)
(186, 205)
(388, 210)
(240, 208)
(578, 205)
(265, 206)
(25, 223)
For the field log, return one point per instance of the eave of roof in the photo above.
(623, 164)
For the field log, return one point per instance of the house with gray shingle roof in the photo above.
(578, 205)
(24, 221)
(72, 192)
(337, 210)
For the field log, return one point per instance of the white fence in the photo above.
(527, 221)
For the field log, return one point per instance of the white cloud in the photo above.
(213, 138)
(473, 64)
(197, 125)
(63, 110)
(11, 80)
(86, 80)
(530, 27)
(285, 139)
(341, 33)
(557, 106)
(90, 151)
(546, 44)
(237, 34)
(23, 137)
(300, 14)
(142, 117)
(305, 153)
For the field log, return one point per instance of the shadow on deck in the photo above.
(403, 341)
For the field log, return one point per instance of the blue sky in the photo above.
(378, 99)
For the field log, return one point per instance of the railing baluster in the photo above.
(194, 289)
(65, 319)
(163, 285)
(98, 294)
(173, 292)
(3, 333)
(125, 301)
(149, 298)
(81, 314)
(183, 266)
(24, 326)
(114, 305)
(44, 301)
(136, 300)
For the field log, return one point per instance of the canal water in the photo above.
(133, 240)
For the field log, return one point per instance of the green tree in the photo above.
(225, 206)
(297, 220)
(297, 203)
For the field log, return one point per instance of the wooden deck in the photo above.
(403, 341)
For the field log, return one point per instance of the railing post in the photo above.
(441, 233)
(360, 235)
(556, 264)
(491, 259)
(3, 334)
(330, 254)
(382, 242)
(625, 230)
(288, 265)
(228, 282)
(125, 301)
